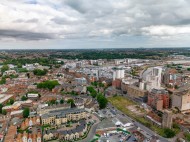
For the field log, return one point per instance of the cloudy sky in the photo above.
(94, 23)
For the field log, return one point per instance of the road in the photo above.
(149, 131)
(92, 131)
(142, 127)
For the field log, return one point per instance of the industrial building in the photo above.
(181, 99)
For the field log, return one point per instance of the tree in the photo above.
(133, 72)
(169, 133)
(57, 66)
(187, 136)
(24, 98)
(179, 66)
(52, 102)
(176, 87)
(93, 94)
(101, 84)
(61, 101)
(40, 72)
(3, 80)
(147, 124)
(102, 101)
(92, 91)
(56, 102)
(4, 112)
(26, 112)
(12, 76)
(49, 84)
(22, 70)
(4, 68)
(28, 75)
(11, 101)
(176, 126)
(73, 93)
(71, 101)
(95, 83)
(19, 65)
(1, 106)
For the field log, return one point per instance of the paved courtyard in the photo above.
(106, 123)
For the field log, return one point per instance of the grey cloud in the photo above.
(91, 17)
(24, 35)
(19, 21)
(59, 20)
(34, 20)
(77, 5)
(127, 19)
(62, 21)
(184, 22)
(91, 9)
(103, 15)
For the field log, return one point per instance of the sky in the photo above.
(89, 24)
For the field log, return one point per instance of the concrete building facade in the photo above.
(167, 119)
(181, 99)
(136, 93)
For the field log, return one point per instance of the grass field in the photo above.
(121, 104)
(119, 100)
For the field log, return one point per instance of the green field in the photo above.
(121, 104)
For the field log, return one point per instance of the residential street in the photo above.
(92, 131)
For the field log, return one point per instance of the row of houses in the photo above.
(67, 135)
(18, 105)
(59, 117)
(26, 137)
(28, 122)
(46, 109)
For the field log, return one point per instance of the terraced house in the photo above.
(67, 135)
(59, 117)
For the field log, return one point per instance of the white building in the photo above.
(81, 81)
(10, 72)
(32, 95)
(118, 73)
(152, 78)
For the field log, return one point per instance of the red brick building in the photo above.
(172, 78)
(116, 83)
(158, 99)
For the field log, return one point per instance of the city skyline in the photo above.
(80, 24)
